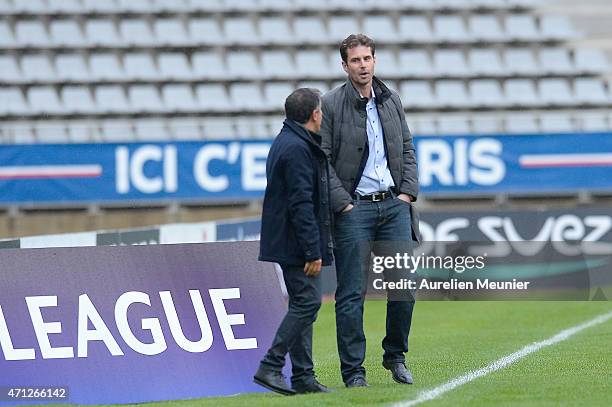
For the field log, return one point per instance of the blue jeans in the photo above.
(355, 235)
(294, 335)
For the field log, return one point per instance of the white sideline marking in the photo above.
(503, 362)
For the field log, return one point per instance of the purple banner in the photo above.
(134, 324)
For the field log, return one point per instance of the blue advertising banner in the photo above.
(108, 325)
(235, 170)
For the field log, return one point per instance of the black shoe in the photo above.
(357, 381)
(312, 387)
(274, 381)
(399, 372)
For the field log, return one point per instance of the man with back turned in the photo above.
(296, 233)
(373, 183)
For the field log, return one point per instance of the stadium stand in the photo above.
(219, 64)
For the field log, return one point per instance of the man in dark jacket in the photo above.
(296, 233)
(373, 183)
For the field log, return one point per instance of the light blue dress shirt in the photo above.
(376, 176)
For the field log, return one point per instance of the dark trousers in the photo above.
(356, 233)
(294, 335)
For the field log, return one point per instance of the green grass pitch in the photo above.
(449, 339)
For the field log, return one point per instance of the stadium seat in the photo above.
(593, 121)
(485, 28)
(105, 67)
(417, 94)
(451, 94)
(453, 125)
(341, 26)
(78, 99)
(7, 39)
(275, 95)
(170, 32)
(521, 61)
(450, 29)
(51, 132)
(185, 129)
(133, 6)
(241, 6)
(218, 129)
(423, 125)
(521, 27)
(212, 98)
(205, 31)
(72, 68)
(30, 6)
(555, 61)
(381, 28)
(521, 93)
(521, 123)
(275, 5)
(590, 91)
(555, 92)
(65, 6)
(309, 30)
(145, 99)
(140, 66)
(415, 63)
(174, 66)
(97, 6)
(450, 62)
(44, 100)
(209, 65)
(240, 31)
(151, 130)
(415, 28)
(252, 127)
(245, 97)
(117, 131)
(275, 31)
(82, 131)
(556, 122)
(13, 102)
(102, 33)
(67, 33)
(486, 93)
(387, 65)
(31, 33)
(557, 28)
(172, 6)
(179, 98)
(591, 61)
(486, 124)
(312, 64)
(277, 65)
(111, 99)
(242, 65)
(136, 32)
(37, 68)
(486, 62)
(319, 85)
(206, 5)
(9, 70)
(22, 133)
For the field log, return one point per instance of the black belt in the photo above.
(379, 196)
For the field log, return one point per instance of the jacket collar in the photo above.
(381, 93)
(302, 132)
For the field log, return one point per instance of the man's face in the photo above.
(359, 65)
(317, 118)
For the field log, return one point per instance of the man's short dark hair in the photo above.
(355, 40)
(300, 104)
